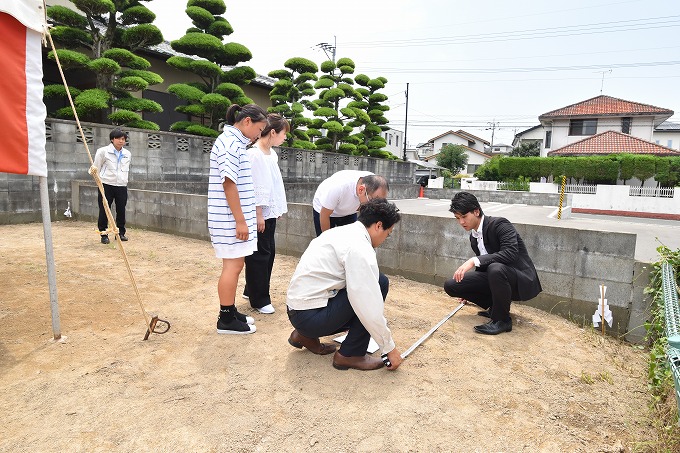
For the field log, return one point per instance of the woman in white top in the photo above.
(270, 203)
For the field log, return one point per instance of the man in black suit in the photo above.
(503, 269)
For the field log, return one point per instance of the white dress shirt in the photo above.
(342, 257)
(477, 234)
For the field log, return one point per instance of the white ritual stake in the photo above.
(603, 311)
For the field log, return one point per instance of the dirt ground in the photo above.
(548, 386)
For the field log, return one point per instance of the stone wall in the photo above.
(158, 157)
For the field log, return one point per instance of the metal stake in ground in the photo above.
(424, 337)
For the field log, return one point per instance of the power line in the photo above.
(527, 69)
(553, 32)
(524, 56)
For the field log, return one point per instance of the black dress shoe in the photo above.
(494, 327)
(105, 239)
(123, 237)
(485, 313)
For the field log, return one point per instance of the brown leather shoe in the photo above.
(297, 340)
(364, 363)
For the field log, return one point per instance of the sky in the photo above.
(488, 67)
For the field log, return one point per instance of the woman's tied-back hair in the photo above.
(464, 202)
(237, 113)
(379, 210)
(374, 182)
(276, 123)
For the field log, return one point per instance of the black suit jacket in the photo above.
(504, 245)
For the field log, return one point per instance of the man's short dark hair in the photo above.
(117, 133)
(379, 210)
(464, 202)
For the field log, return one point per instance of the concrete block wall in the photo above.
(299, 165)
(156, 156)
(571, 263)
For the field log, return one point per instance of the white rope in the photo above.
(95, 175)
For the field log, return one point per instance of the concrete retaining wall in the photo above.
(571, 263)
(503, 196)
(158, 157)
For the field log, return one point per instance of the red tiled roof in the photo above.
(612, 142)
(605, 105)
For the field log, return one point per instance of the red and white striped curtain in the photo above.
(22, 111)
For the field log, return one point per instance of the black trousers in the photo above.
(259, 267)
(335, 221)
(494, 288)
(118, 194)
(337, 317)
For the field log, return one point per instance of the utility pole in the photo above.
(609, 71)
(329, 48)
(492, 125)
(406, 122)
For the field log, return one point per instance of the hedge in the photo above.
(590, 169)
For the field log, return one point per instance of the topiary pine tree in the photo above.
(210, 98)
(331, 115)
(111, 31)
(370, 116)
(288, 99)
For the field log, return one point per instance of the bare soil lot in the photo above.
(547, 386)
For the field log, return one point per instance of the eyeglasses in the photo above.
(366, 193)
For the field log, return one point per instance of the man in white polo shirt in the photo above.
(338, 197)
(113, 164)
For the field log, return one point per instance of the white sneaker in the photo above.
(266, 310)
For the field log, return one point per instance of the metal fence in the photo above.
(672, 315)
(661, 192)
(580, 188)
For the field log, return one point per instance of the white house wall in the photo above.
(474, 159)
(669, 139)
(536, 135)
(452, 139)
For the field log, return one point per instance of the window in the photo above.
(625, 124)
(548, 139)
(471, 168)
(670, 143)
(389, 139)
(397, 141)
(583, 127)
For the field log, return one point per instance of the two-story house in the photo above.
(475, 148)
(395, 142)
(609, 124)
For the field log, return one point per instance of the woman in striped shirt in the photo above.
(232, 218)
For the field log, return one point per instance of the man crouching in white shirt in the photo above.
(337, 286)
